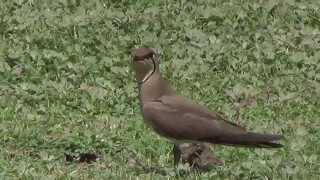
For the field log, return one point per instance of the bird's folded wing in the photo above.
(186, 122)
(186, 105)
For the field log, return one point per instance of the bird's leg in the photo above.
(176, 154)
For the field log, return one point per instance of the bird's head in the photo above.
(145, 63)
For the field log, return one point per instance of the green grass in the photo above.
(66, 84)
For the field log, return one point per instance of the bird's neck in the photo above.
(154, 88)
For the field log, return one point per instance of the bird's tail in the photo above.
(250, 139)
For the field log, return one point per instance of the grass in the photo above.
(66, 85)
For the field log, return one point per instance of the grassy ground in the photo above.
(66, 85)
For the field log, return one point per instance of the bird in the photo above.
(180, 120)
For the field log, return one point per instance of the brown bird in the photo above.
(180, 120)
